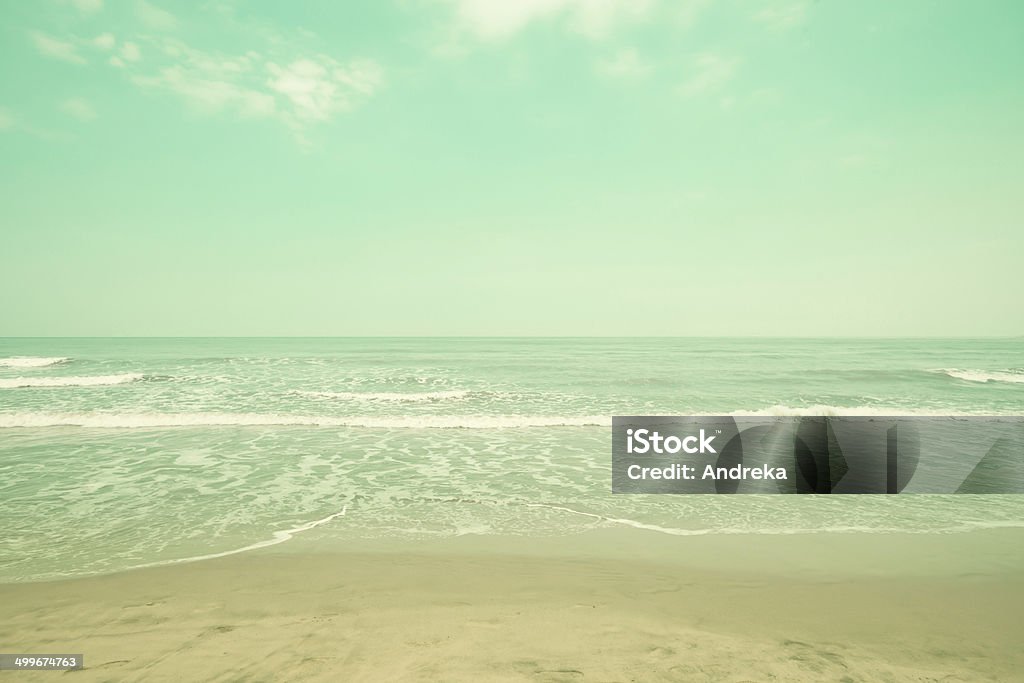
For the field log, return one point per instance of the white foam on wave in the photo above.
(983, 375)
(86, 381)
(386, 396)
(855, 411)
(151, 420)
(960, 527)
(30, 361)
(168, 420)
(277, 537)
(623, 522)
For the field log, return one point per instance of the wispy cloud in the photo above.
(783, 16)
(495, 20)
(284, 78)
(626, 64)
(206, 94)
(9, 122)
(78, 108)
(687, 12)
(597, 19)
(318, 88)
(298, 91)
(55, 48)
(708, 72)
(104, 41)
(130, 52)
(155, 17)
(210, 83)
(88, 6)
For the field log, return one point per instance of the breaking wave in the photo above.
(152, 420)
(386, 396)
(88, 381)
(206, 419)
(854, 411)
(983, 375)
(30, 361)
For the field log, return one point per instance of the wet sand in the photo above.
(603, 607)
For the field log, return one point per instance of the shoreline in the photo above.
(605, 542)
(607, 606)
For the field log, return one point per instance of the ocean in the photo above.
(121, 453)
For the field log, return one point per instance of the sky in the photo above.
(486, 167)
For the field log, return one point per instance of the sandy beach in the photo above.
(591, 341)
(607, 606)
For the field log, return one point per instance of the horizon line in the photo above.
(518, 336)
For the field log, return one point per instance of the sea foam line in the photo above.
(31, 361)
(963, 527)
(624, 522)
(87, 381)
(855, 411)
(278, 537)
(170, 420)
(386, 395)
(156, 420)
(983, 376)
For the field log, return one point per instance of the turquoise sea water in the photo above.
(117, 453)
